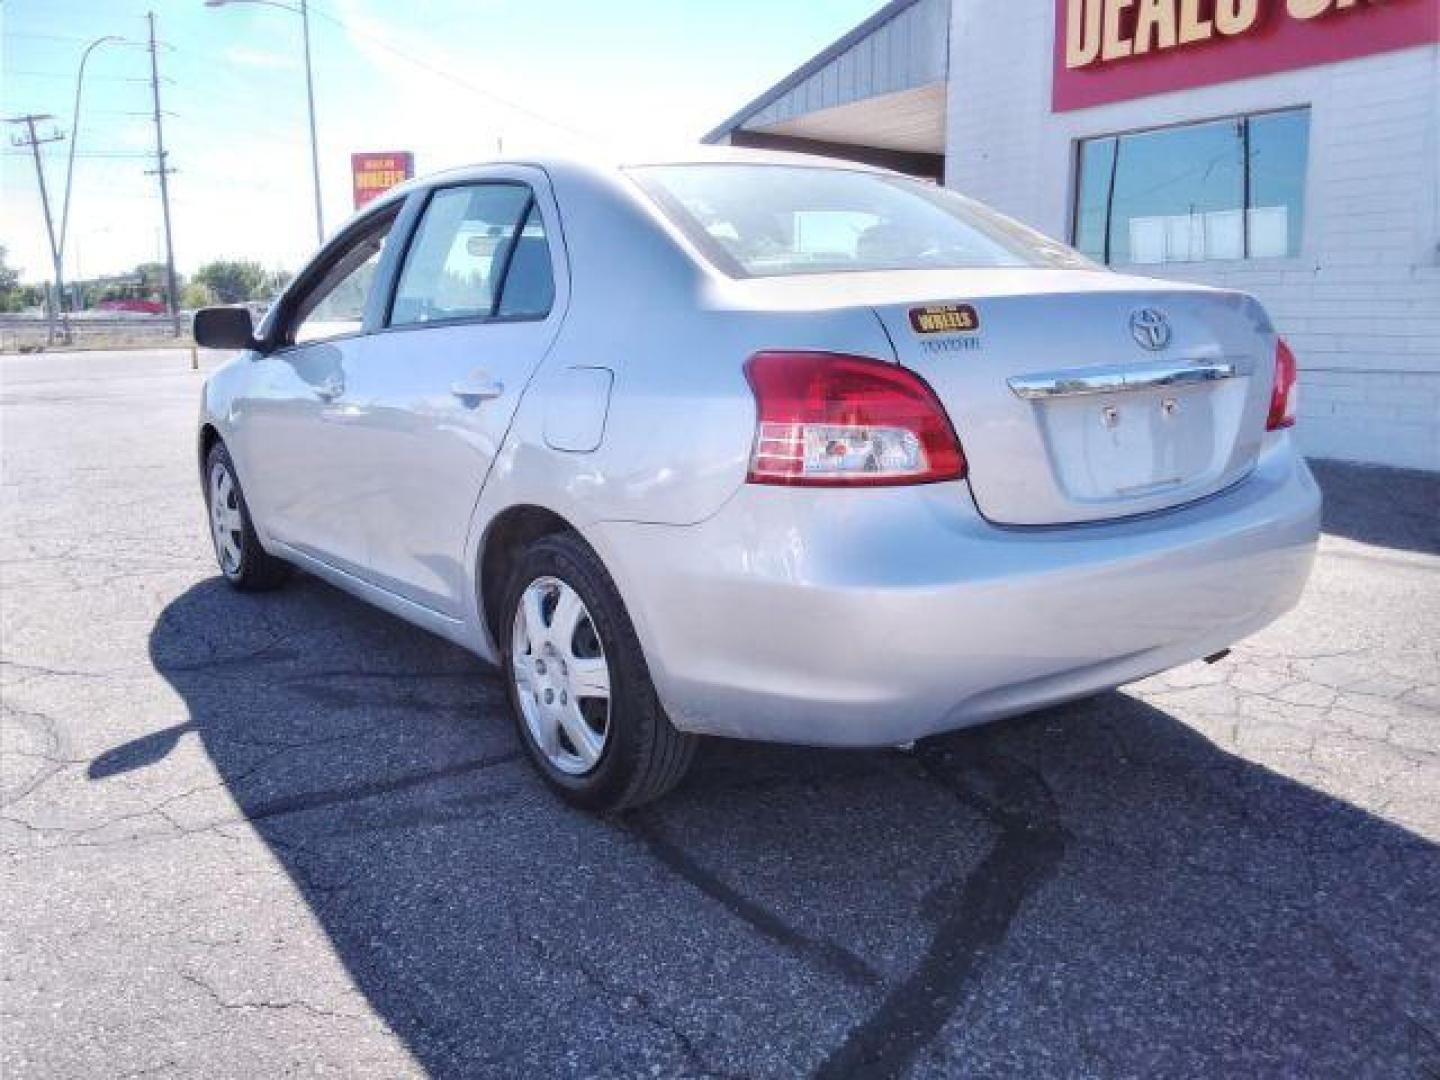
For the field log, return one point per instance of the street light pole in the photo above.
(314, 141)
(304, 12)
(75, 134)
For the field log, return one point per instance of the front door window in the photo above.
(336, 306)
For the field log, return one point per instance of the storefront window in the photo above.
(1223, 190)
(1279, 147)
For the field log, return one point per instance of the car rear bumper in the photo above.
(873, 617)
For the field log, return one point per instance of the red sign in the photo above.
(1114, 50)
(375, 174)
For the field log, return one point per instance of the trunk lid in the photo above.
(1066, 411)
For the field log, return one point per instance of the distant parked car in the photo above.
(760, 446)
(132, 306)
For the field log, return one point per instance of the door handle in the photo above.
(331, 388)
(477, 388)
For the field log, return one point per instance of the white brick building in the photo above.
(1327, 207)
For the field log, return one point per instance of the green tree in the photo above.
(277, 282)
(151, 274)
(232, 281)
(11, 294)
(194, 295)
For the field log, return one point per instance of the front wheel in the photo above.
(245, 564)
(585, 708)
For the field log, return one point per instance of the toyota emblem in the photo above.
(1150, 328)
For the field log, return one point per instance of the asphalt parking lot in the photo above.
(290, 835)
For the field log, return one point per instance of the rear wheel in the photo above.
(585, 708)
(245, 564)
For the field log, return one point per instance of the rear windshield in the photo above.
(767, 220)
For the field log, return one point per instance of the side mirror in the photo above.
(225, 328)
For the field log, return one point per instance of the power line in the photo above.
(118, 112)
(259, 135)
(67, 77)
(137, 154)
(41, 37)
(451, 77)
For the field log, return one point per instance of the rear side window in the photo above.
(764, 220)
(529, 285)
(479, 252)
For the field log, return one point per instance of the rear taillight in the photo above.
(1282, 398)
(828, 420)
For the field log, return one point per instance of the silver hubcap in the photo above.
(561, 677)
(225, 521)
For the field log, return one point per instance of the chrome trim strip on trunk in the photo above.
(1075, 382)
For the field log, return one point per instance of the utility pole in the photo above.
(34, 141)
(163, 170)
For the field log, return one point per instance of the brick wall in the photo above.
(1361, 304)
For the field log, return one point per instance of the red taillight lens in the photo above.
(846, 421)
(1282, 398)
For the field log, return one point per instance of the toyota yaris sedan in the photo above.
(760, 446)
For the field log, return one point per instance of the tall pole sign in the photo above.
(374, 174)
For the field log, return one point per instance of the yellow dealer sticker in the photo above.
(945, 319)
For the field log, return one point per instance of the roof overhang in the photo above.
(909, 120)
(881, 85)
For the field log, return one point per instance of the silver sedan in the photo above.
(759, 446)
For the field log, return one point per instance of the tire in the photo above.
(246, 565)
(635, 755)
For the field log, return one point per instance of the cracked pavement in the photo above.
(290, 835)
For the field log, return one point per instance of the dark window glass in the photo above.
(1192, 194)
(529, 283)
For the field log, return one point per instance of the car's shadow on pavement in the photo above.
(1394, 508)
(1098, 889)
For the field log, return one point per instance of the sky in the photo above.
(454, 81)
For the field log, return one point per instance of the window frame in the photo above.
(389, 216)
(1243, 119)
(532, 205)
